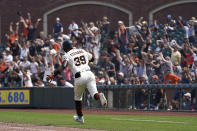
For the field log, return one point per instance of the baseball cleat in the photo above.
(103, 100)
(79, 119)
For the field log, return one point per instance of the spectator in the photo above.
(193, 70)
(15, 78)
(155, 80)
(96, 52)
(3, 69)
(102, 78)
(141, 98)
(186, 77)
(31, 29)
(25, 64)
(136, 81)
(13, 35)
(160, 99)
(166, 65)
(170, 78)
(109, 68)
(120, 78)
(38, 45)
(55, 46)
(125, 65)
(8, 57)
(171, 22)
(187, 101)
(39, 83)
(73, 28)
(175, 55)
(15, 48)
(123, 36)
(27, 78)
(27, 21)
(141, 69)
(67, 73)
(92, 27)
(178, 70)
(32, 49)
(24, 50)
(34, 67)
(105, 26)
(57, 28)
(49, 69)
(187, 56)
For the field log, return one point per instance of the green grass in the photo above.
(106, 122)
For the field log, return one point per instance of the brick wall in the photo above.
(86, 13)
(37, 8)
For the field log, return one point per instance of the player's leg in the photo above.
(91, 86)
(79, 116)
(78, 94)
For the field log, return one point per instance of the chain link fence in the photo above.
(181, 97)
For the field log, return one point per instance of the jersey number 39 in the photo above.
(80, 60)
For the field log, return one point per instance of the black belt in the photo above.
(78, 74)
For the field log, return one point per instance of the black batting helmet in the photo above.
(67, 45)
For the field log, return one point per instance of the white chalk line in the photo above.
(22, 128)
(148, 120)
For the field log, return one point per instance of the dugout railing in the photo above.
(181, 97)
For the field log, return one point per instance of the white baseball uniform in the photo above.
(77, 60)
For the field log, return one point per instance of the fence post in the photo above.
(180, 99)
(110, 98)
(133, 99)
(149, 94)
(195, 97)
(164, 102)
(118, 97)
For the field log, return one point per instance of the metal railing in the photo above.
(181, 97)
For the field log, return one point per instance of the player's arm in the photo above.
(92, 59)
(90, 56)
(57, 71)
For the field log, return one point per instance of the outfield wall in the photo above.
(36, 98)
(133, 97)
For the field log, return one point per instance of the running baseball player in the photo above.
(77, 60)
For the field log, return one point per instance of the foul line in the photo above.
(171, 122)
(23, 128)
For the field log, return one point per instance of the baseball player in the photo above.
(77, 60)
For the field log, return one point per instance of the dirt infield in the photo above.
(28, 127)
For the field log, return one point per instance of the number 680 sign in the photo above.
(14, 97)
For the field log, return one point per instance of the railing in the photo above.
(181, 97)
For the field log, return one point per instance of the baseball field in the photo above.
(59, 120)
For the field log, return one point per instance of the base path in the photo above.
(28, 127)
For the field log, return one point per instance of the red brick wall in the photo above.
(87, 13)
(186, 11)
(8, 9)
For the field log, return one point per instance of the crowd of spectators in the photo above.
(139, 54)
